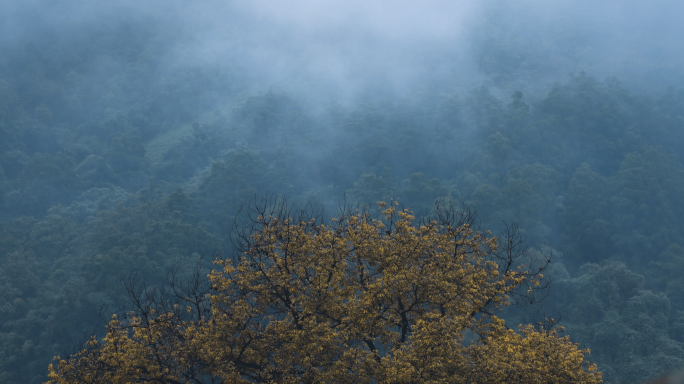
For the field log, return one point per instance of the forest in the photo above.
(127, 150)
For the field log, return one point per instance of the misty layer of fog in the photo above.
(131, 132)
(342, 51)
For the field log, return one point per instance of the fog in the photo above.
(132, 134)
(339, 51)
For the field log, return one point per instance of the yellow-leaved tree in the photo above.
(366, 298)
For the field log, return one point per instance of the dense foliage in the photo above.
(357, 300)
(109, 166)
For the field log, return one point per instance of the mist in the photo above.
(133, 134)
(341, 51)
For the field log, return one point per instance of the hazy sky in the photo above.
(342, 48)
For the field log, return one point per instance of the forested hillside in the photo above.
(114, 162)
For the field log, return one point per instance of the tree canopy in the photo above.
(371, 296)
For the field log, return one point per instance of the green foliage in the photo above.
(371, 188)
(56, 273)
(631, 331)
(421, 191)
(586, 214)
(100, 179)
(635, 213)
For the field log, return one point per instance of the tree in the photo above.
(367, 298)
